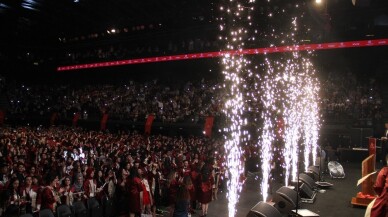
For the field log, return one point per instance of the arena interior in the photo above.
(181, 108)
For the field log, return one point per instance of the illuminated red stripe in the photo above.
(324, 46)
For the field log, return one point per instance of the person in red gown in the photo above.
(188, 183)
(135, 189)
(147, 197)
(122, 194)
(186, 170)
(195, 169)
(154, 177)
(90, 184)
(206, 182)
(172, 186)
(49, 196)
(380, 206)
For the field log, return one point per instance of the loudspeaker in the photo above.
(263, 209)
(285, 199)
(306, 192)
(314, 170)
(307, 180)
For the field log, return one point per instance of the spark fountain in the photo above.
(285, 86)
(235, 70)
(289, 92)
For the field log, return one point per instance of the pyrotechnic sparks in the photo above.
(287, 92)
(234, 111)
(310, 112)
(268, 132)
(290, 93)
(235, 66)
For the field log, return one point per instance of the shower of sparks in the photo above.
(287, 91)
(235, 70)
(268, 132)
(310, 113)
(290, 93)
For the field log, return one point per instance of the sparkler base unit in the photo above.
(285, 199)
(307, 195)
(304, 213)
(314, 171)
(324, 184)
(263, 209)
(308, 200)
(307, 180)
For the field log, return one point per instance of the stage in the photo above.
(334, 202)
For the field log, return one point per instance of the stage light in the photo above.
(361, 3)
(318, 1)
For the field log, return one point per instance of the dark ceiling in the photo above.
(43, 21)
(39, 28)
(48, 19)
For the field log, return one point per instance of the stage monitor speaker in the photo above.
(263, 209)
(307, 180)
(315, 172)
(285, 199)
(306, 192)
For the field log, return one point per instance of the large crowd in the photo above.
(132, 101)
(342, 97)
(45, 168)
(159, 47)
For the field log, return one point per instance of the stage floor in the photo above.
(334, 202)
